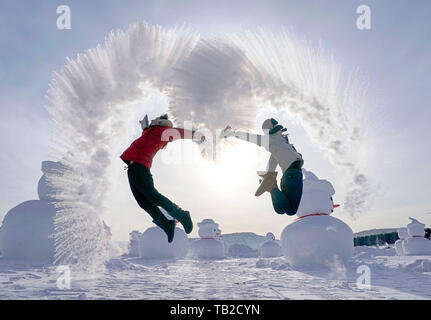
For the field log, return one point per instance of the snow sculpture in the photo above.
(153, 244)
(416, 244)
(270, 248)
(402, 234)
(27, 228)
(315, 238)
(209, 246)
(135, 238)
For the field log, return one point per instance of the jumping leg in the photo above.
(168, 226)
(140, 177)
(287, 199)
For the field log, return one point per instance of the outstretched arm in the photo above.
(172, 134)
(261, 141)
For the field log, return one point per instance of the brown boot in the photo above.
(269, 180)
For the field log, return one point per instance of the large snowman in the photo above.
(210, 245)
(153, 244)
(315, 238)
(26, 229)
(416, 243)
(270, 248)
(26, 232)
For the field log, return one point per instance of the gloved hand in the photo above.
(227, 132)
(144, 123)
(200, 139)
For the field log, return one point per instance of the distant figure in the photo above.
(139, 157)
(427, 233)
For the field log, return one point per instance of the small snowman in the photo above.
(210, 245)
(154, 245)
(270, 248)
(315, 238)
(135, 238)
(416, 244)
(402, 235)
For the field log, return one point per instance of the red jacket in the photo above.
(143, 149)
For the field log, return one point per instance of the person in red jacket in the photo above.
(139, 157)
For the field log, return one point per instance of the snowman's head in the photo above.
(208, 229)
(415, 228)
(135, 235)
(44, 188)
(270, 236)
(402, 233)
(316, 195)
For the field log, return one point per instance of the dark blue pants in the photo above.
(286, 200)
(142, 185)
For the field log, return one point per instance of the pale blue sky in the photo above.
(394, 56)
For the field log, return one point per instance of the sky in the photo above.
(393, 57)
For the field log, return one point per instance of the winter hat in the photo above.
(162, 121)
(272, 125)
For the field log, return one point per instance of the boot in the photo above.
(168, 226)
(183, 217)
(268, 181)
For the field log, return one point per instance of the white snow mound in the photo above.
(154, 244)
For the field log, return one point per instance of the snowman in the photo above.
(152, 243)
(26, 229)
(416, 244)
(315, 238)
(210, 245)
(26, 232)
(270, 248)
(135, 239)
(402, 235)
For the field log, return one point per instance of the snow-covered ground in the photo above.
(392, 277)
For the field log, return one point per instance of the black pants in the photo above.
(148, 198)
(286, 200)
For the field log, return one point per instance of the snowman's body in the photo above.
(153, 244)
(416, 244)
(270, 248)
(402, 234)
(27, 228)
(210, 245)
(315, 238)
